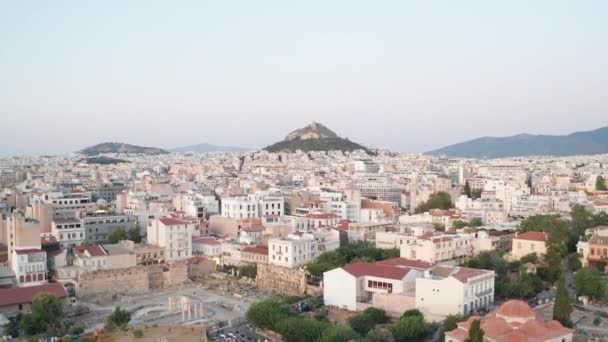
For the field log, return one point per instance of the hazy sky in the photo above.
(406, 75)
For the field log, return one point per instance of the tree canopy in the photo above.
(411, 329)
(352, 252)
(475, 332)
(589, 282)
(437, 200)
(268, 313)
(118, 235)
(367, 320)
(562, 309)
(600, 183)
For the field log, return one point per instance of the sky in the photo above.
(410, 76)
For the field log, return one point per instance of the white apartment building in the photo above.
(448, 290)
(345, 210)
(293, 251)
(434, 248)
(251, 206)
(30, 267)
(67, 203)
(174, 235)
(69, 232)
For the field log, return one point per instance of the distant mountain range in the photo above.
(114, 147)
(204, 148)
(578, 143)
(314, 137)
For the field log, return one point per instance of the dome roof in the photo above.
(515, 309)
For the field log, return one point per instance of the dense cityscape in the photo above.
(118, 242)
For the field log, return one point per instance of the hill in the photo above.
(314, 137)
(204, 148)
(578, 143)
(113, 147)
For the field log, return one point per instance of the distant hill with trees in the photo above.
(578, 143)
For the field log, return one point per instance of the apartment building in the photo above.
(69, 232)
(174, 235)
(453, 290)
(98, 226)
(439, 247)
(293, 251)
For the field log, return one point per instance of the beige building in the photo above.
(174, 235)
(529, 243)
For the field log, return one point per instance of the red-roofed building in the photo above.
(514, 321)
(174, 235)
(356, 286)
(255, 254)
(18, 299)
(207, 246)
(529, 243)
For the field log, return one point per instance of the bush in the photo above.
(119, 318)
(367, 320)
(297, 329)
(411, 329)
(338, 333)
(268, 313)
(138, 333)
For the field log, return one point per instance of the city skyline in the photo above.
(405, 76)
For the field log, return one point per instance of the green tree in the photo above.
(12, 327)
(267, 313)
(135, 234)
(467, 189)
(437, 200)
(450, 323)
(248, 271)
(599, 219)
(365, 321)
(459, 224)
(412, 312)
(411, 329)
(581, 219)
(475, 332)
(562, 309)
(589, 282)
(339, 333)
(476, 222)
(47, 309)
(297, 329)
(380, 333)
(119, 318)
(118, 235)
(600, 183)
(476, 193)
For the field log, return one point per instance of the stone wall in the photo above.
(281, 280)
(175, 273)
(133, 280)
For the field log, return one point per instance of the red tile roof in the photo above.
(513, 321)
(403, 262)
(28, 251)
(360, 269)
(25, 295)
(205, 241)
(168, 221)
(256, 250)
(94, 250)
(533, 236)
